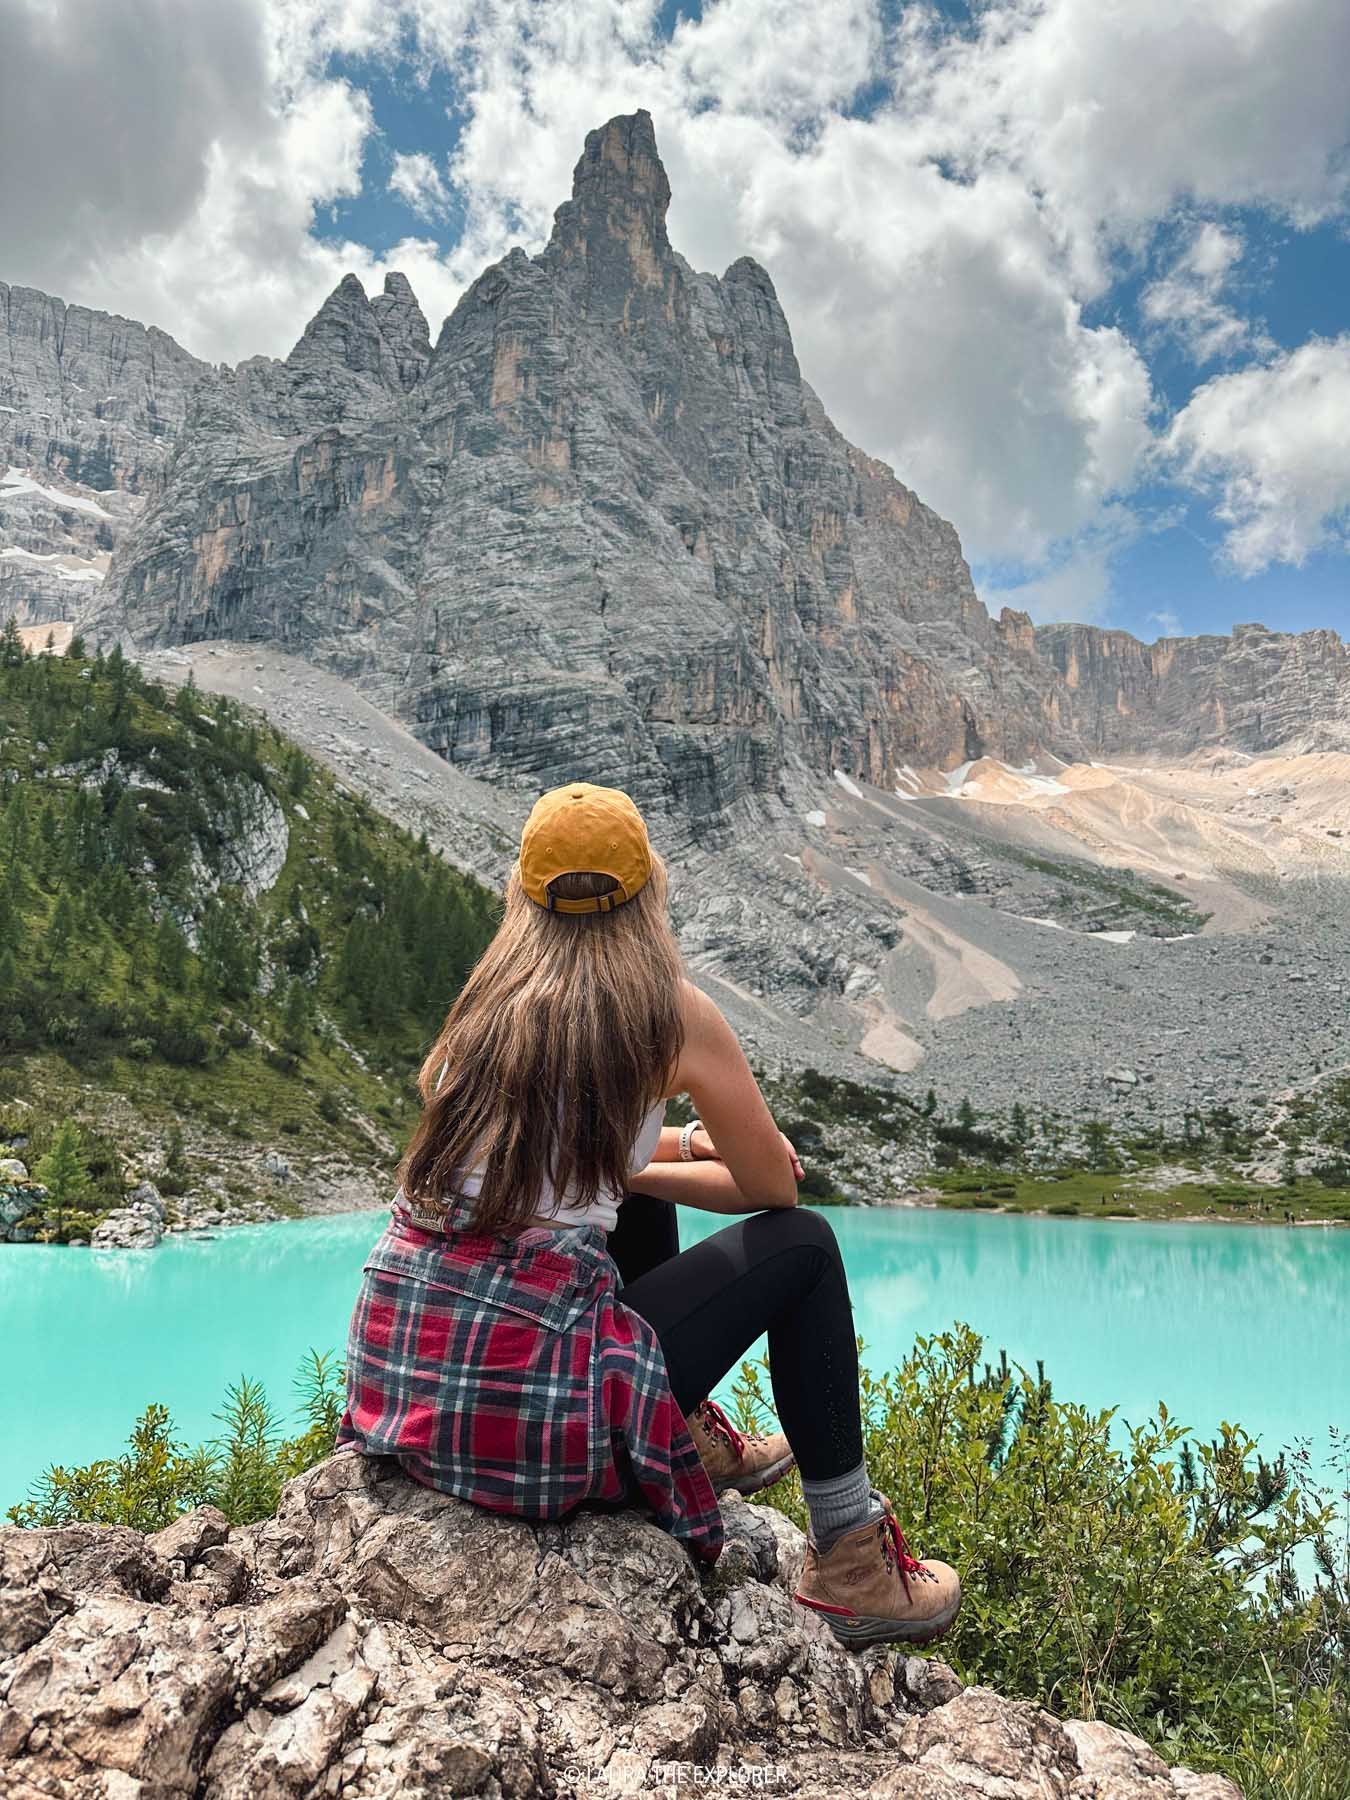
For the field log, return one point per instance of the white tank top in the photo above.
(604, 1209)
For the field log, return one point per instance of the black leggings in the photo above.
(777, 1271)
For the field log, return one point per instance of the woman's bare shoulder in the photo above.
(706, 1033)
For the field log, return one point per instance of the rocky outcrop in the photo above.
(90, 408)
(136, 1225)
(377, 1640)
(20, 1198)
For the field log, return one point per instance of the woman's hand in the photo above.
(793, 1158)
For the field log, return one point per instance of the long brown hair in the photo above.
(567, 1031)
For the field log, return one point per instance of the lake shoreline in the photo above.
(1101, 1216)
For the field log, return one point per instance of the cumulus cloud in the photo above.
(1268, 443)
(194, 145)
(1168, 623)
(110, 116)
(420, 185)
(1190, 301)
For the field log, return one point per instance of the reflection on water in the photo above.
(1222, 1322)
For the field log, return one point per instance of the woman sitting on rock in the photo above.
(493, 1351)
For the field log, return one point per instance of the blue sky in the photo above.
(1079, 270)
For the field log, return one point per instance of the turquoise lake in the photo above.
(1240, 1323)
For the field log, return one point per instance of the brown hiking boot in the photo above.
(872, 1591)
(736, 1459)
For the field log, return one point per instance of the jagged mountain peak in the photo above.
(386, 338)
(616, 217)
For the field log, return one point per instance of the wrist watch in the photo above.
(686, 1140)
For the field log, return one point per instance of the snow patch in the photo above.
(1114, 937)
(814, 818)
(791, 858)
(15, 554)
(849, 787)
(14, 482)
(860, 875)
(956, 778)
(1031, 919)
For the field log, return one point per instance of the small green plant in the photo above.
(157, 1476)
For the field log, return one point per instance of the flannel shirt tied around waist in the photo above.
(508, 1371)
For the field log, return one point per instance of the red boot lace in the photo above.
(717, 1421)
(895, 1549)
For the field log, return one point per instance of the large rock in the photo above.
(139, 1225)
(383, 1642)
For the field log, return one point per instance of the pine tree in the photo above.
(60, 929)
(124, 832)
(62, 1170)
(171, 953)
(1097, 1140)
(966, 1115)
(295, 1022)
(12, 651)
(9, 973)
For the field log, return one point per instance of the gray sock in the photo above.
(840, 1505)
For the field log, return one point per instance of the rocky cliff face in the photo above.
(383, 1642)
(90, 409)
(1253, 690)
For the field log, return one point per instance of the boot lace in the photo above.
(897, 1552)
(719, 1425)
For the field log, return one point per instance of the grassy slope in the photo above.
(293, 1033)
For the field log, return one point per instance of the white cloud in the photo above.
(1269, 443)
(420, 185)
(1168, 623)
(1190, 300)
(778, 59)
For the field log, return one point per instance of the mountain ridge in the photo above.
(601, 437)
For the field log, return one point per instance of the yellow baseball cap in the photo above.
(579, 829)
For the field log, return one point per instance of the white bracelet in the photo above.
(686, 1140)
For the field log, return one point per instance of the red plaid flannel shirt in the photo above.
(509, 1372)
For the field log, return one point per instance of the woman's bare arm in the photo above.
(756, 1166)
(707, 1185)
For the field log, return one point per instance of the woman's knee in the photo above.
(804, 1225)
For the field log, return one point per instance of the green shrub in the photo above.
(157, 1477)
(1110, 1570)
(986, 1201)
(1064, 1209)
